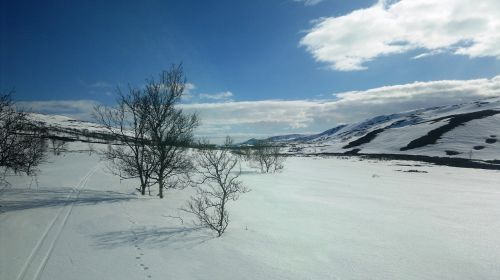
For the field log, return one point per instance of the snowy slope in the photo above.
(475, 135)
(70, 129)
(65, 122)
(322, 218)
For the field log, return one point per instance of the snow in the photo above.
(63, 122)
(321, 218)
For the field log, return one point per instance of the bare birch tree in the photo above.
(268, 157)
(156, 133)
(170, 130)
(218, 172)
(57, 145)
(131, 158)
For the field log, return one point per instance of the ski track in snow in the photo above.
(39, 256)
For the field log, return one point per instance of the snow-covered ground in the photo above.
(321, 218)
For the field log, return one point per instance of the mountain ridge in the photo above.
(464, 130)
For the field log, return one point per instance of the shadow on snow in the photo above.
(22, 199)
(153, 237)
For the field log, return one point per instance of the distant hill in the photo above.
(69, 129)
(467, 130)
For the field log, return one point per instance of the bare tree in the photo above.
(34, 147)
(169, 129)
(22, 143)
(243, 153)
(218, 185)
(268, 157)
(57, 146)
(127, 124)
(91, 147)
(155, 133)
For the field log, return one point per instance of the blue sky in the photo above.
(65, 53)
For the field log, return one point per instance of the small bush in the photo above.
(218, 185)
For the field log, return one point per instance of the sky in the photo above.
(254, 68)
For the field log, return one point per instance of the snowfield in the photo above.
(321, 218)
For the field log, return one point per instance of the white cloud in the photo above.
(100, 84)
(225, 96)
(309, 2)
(189, 87)
(273, 117)
(188, 91)
(459, 27)
(99, 87)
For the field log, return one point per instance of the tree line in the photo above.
(23, 144)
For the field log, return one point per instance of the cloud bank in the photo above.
(273, 117)
(458, 27)
(246, 119)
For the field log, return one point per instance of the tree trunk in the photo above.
(160, 187)
(223, 204)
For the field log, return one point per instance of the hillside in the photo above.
(467, 130)
(69, 129)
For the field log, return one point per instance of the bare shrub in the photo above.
(268, 157)
(91, 148)
(22, 144)
(57, 146)
(218, 185)
(243, 153)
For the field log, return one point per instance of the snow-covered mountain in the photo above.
(468, 130)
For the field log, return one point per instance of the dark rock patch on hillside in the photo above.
(454, 121)
(413, 171)
(447, 161)
(451, 153)
(363, 140)
(491, 140)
